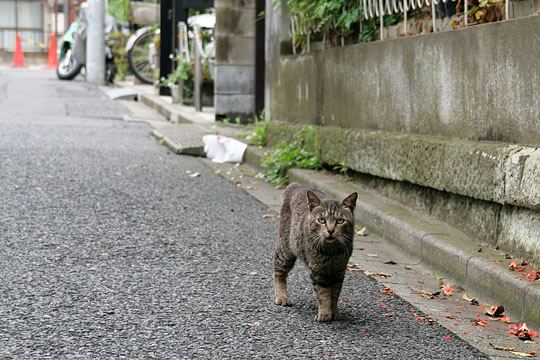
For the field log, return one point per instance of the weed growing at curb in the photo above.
(259, 134)
(302, 152)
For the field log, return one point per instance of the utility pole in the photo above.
(95, 43)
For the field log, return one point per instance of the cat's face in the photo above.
(331, 221)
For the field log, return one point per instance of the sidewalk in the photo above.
(404, 249)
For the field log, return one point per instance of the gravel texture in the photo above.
(109, 249)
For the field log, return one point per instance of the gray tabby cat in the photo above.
(320, 232)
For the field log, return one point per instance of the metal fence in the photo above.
(373, 8)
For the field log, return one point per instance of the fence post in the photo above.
(465, 13)
(197, 78)
(433, 15)
(381, 20)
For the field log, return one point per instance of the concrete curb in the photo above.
(175, 113)
(439, 246)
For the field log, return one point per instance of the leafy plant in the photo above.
(341, 167)
(118, 44)
(302, 152)
(259, 134)
(119, 9)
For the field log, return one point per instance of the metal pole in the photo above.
(66, 15)
(95, 43)
(197, 78)
(433, 15)
(55, 18)
(381, 21)
(466, 17)
(405, 8)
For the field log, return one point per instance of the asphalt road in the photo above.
(108, 249)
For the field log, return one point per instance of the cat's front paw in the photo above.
(323, 316)
(283, 301)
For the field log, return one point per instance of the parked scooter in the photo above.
(73, 48)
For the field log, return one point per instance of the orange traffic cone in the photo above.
(52, 58)
(18, 55)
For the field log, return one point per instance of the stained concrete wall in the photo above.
(235, 58)
(479, 83)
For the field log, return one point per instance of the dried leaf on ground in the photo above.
(425, 320)
(196, 174)
(362, 232)
(408, 267)
(524, 354)
(388, 315)
(391, 262)
(387, 291)
(495, 311)
(513, 265)
(429, 295)
(381, 274)
(354, 267)
(471, 301)
(447, 289)
(372, 255)
(480, 322)
(270, 214)
(502, 348)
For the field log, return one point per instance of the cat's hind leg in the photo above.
(283, 263)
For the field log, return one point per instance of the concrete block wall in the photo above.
(235, 58)
(447, 122)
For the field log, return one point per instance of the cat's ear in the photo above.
(350, 201)
(313, 200)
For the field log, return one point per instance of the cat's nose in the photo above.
(330, 231)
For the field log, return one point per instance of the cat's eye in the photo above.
(322, 220)
(340, 221)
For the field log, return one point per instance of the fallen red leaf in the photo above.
(532, 276)
(522, 332)
(505, 319)
(388, 315)
(447, 338)
(481, 322)
(387, 291)
(450, 316)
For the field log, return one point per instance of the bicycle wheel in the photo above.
(143, 57)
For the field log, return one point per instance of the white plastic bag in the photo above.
(222, 149)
